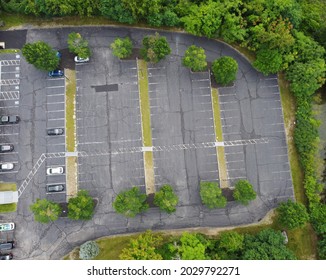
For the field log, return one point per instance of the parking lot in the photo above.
(9, 106)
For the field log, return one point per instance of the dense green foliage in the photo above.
(195, 58)
(244, 192)
(122, 48)
(45, 211)
(89, 250)
(166, 199)
(211, 195)
(41, 55)
(155, 48)
(144, 247)
(266, 245)
(81, 207)
(231, 241)
(268, 61)
(130, 203)
(78, 45)
(292, 215)
(225, 70)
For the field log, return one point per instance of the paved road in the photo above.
(181, 114)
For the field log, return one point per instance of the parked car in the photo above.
(55, 188)
(55, 131)
(6, 256)
(56, 73)
(55, 170)
(6, 166)
(7, 226)
(81, 60)
(6, 148)
(7, 245)
(9, 119)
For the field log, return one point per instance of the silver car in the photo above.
(6, 166)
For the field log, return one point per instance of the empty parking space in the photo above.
(9, 106)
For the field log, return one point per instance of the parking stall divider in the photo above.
(145, 113)
(70, 134)
(221, 160)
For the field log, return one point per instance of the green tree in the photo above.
(244, 192)
(89, 250)
(130, 203)
(268, 61)
(231, 241)
(41, 55)
(116, 10)
(322, 248)
(78, 45)
(195, 58)
(292, 214)
(166, 199)
(192, 247)
(266, 245)
(81, 207)
(144, 247)
(318, 218)
(122, 48)
(155, 48)
(225, 70)
(233, 28)
(45, 211)
(211, 195)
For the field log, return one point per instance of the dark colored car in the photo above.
(6, 148)
(56, 73)
(7, 256)
(9, 119)
(7, 245)
(55, 188)
(55, 131)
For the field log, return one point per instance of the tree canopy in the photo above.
(78, 45)
(144, 247)
(45, 211)
(41, 55)
(195, 58)
(81, 207)
(155, 48)
(211, 195)
(122, 48)
(292, 215)
(166, 199)
(130, 203)
(225, 70)
(244, 192)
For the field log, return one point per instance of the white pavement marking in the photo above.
(56, 87)
(8, 172)
(54, 111)
(8, 134)
(57, 94)
(90, 143)
(61, 102)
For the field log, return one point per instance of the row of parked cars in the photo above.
(5, 148)
(6, 247)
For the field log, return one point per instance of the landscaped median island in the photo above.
(146, 126)
(224, 182)
(71, 159)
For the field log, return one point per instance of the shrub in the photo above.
(211, 195)
(122, 48)
(81, 207)
(244, 192)
(268, 61)
(155, 48)
(166, 199)
(292, 214)
(195, 58)
(89, 250)
(225, 70)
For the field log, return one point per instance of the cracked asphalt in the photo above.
(181, 113)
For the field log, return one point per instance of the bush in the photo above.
(244, 192)
(78, 45)
(166, 199)
(81, 207)
(268, 61)
(89, 250)
(211, 195)
(292, 215)
(195, 58)
(122, 48)
(155, 48)
(225, 70)
(130, 203)
(45, 211)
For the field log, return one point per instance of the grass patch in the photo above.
(11, 207)
(146, 125)
(71, 163)
(289, 109)
(70, 110)
(222, 167)
(144, 103)
(8, 51)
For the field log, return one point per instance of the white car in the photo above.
(54, 170)
(81, 60)
(6, 166)
(7, 226)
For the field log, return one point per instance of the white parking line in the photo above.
(56, 87)
(225, 110)
(8, 172)
(90, 143)
(57, 94)
(54, 111)
(9, 107)
(55, 102)
(58, 119)
(7, 134)
(9, 153)
(58, 144)
(229, 102)
(237, 169)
